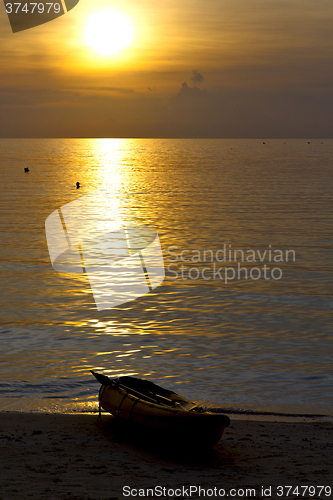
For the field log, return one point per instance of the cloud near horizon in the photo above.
(191, 112)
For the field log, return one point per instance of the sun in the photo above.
(108, 31)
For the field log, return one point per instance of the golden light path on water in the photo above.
(106, 227)
(111, 155)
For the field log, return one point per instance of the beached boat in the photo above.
(154, 409)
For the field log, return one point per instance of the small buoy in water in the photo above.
(264, 143)
(308, 143)
(77, 185)
(26, 169)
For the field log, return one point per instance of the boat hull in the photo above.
(202, 428)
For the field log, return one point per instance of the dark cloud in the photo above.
(187, 92)
(196, 78)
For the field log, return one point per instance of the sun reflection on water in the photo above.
(111, 154)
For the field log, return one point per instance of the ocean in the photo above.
(243, 319)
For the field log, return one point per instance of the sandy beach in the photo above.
(57, 456)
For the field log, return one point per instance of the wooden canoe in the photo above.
(150, 407)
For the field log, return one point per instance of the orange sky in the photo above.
(254, 68)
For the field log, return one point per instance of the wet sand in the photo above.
(56, 456)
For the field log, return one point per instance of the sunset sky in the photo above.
(196, 68)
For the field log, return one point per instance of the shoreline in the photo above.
(67, 456)
(233, 413)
